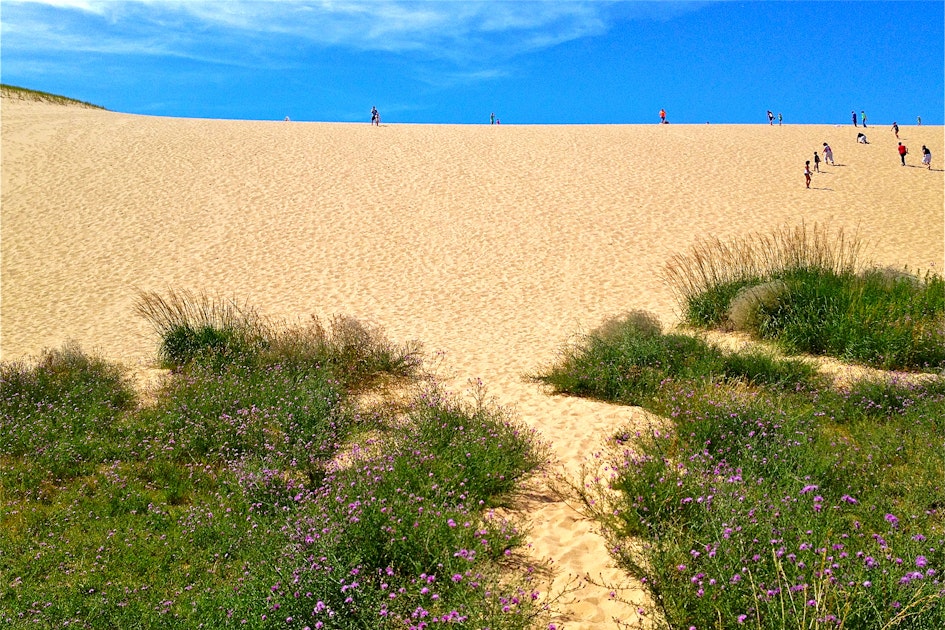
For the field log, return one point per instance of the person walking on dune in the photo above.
(863, 117)
(853, 113)
(927, 157)
(816, 162)
(375, 117)
(903, 152)
(662, 116)
(828, 155)
(807, 172)
(780, 119)
(770, 118)
(895, 128)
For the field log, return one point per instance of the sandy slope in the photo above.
(491, 245)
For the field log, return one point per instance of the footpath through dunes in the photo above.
(492, 245)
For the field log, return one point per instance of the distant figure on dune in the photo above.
(861, 138)
(492, 118)
(375, 117)
(807, 172)
(927, 157)
(287, 119)
(853, 113)
(780, 119)
(770, 118)
(863, 117)
(816, 162)
(662, 116)
(828, 154)
(903, 152)
(895, 128)
(918, 120)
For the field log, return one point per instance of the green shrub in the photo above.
(807, 292)
(627, 359)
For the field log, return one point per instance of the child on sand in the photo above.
(816, 162)
(926, 157)
(828, 154)
(807, 172)
(861, 138)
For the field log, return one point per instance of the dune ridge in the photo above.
(491, 245)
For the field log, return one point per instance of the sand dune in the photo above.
(491, 245)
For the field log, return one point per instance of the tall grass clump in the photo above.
(890, 322)
(197, 327)
(804, 506)
(710, 275)
(808, 291)
(216, 332)
(251, 491)
(628, 357)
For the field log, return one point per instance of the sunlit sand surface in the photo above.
(493, 245)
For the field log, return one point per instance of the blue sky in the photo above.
(455, 62)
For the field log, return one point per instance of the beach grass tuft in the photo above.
(808, 291)
(628, 358)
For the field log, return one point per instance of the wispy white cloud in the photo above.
(456, 31)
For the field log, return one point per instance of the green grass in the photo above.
(772, 502)
(42, 97)
(628, 358)
(253, 491)
(807, 291)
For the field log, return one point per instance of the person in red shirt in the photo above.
(903, 151)
(662, 116)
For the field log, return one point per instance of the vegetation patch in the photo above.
(807, 291)
(12, 91)
(761, 504)
(252, 492)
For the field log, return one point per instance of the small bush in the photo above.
(628, 359)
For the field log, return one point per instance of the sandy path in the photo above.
(491, 245)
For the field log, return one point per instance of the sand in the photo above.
(493, 245)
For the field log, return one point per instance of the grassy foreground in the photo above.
(760, 495)
(253, 491)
